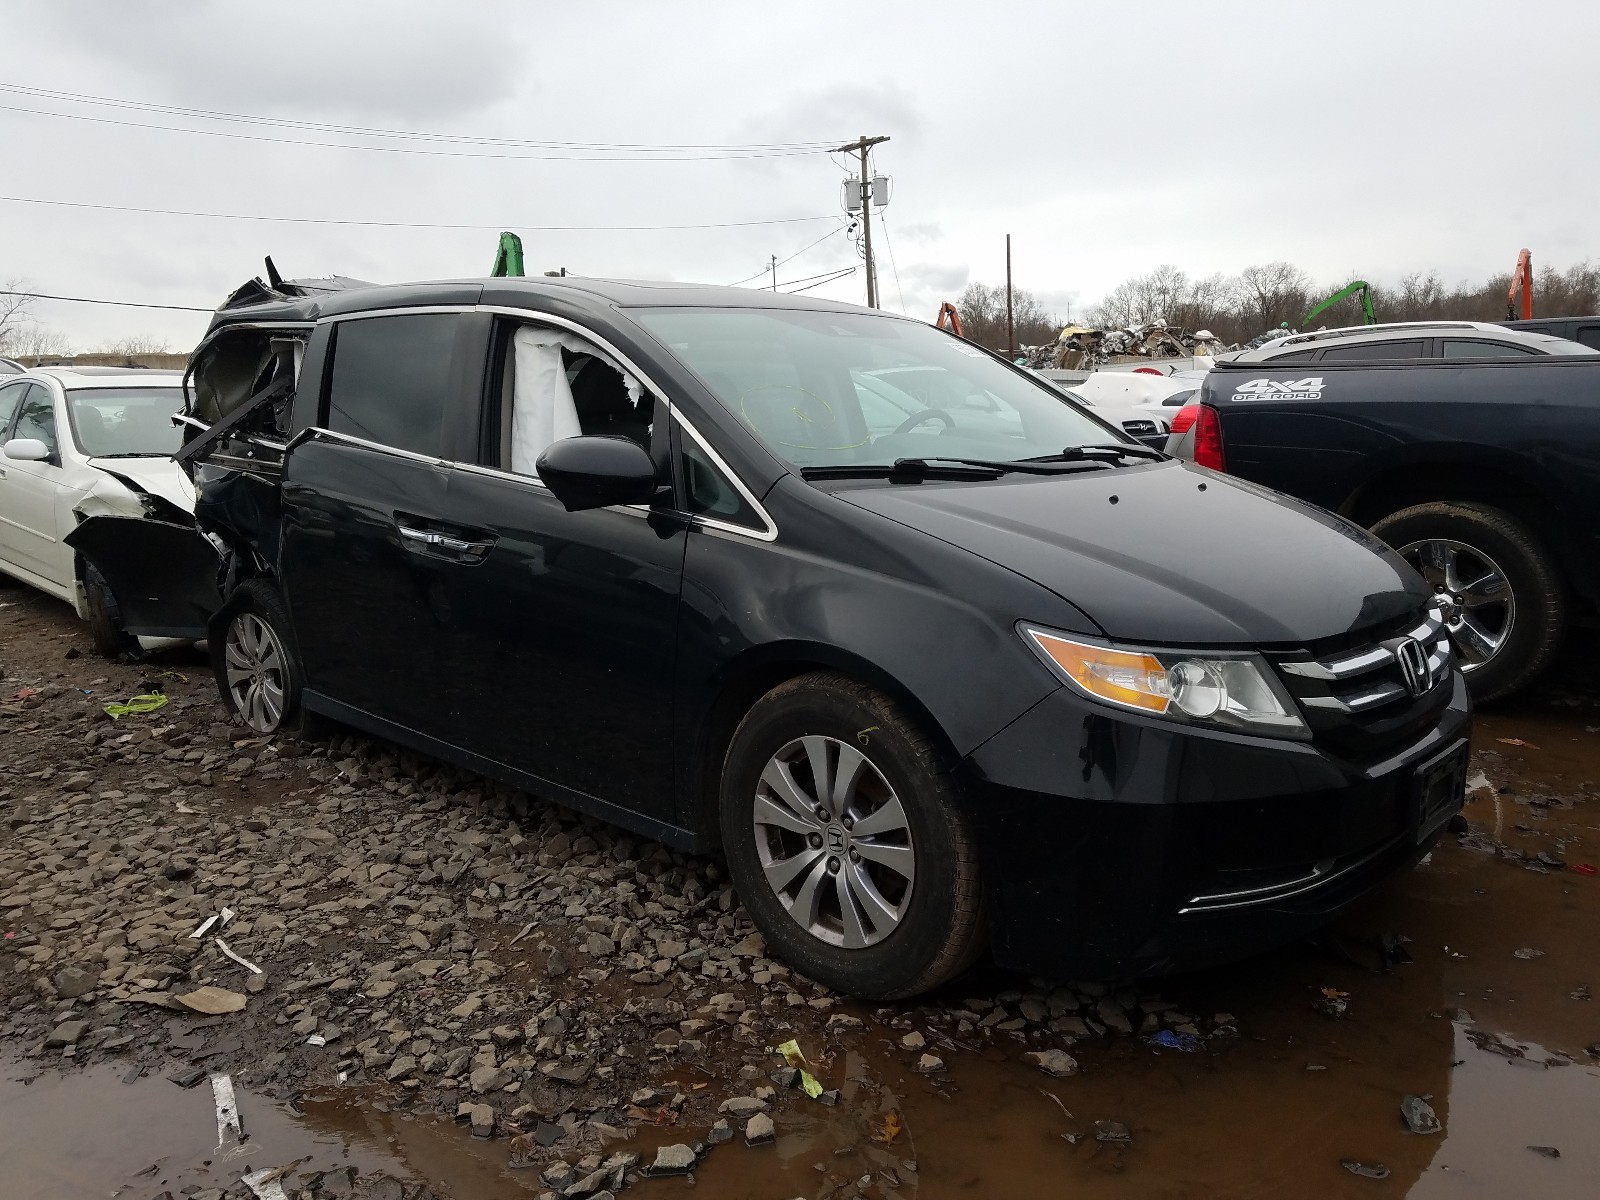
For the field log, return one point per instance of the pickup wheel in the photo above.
(847, 840)
(1505, 603)
(105, 618)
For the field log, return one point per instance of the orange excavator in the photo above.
(949, 319)
(1521, 280)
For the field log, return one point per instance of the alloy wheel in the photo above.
(1479, 605)
(256, 665)
(834, 842)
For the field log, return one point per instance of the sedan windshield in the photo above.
(125, 422)
(827, 389)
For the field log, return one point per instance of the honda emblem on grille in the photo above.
(1412, 656)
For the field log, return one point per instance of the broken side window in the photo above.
(239, 391)
(558, 385)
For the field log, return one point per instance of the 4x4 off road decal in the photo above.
(1309, 388)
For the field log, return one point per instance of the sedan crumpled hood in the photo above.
(1168, 554)
(158, 476)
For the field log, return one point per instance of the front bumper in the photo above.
(1122, 846)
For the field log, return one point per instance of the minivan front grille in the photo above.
(1363, 698)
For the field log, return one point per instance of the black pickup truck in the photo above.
(1484, 476)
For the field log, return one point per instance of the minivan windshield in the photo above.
(126, 422)
(829, 389)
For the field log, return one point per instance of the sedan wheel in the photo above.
(834, 842)
(256, 666)
(1479, 606)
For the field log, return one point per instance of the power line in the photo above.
(821, 276)
(889, 246)
(834, 275)
(369, 131)
(116, 303)
(256, 137)
(178, 212)
(796, 254)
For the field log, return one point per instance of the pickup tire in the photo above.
(1509, 606)
(848, 841)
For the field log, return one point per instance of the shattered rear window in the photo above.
(125, 422)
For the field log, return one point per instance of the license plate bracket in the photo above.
(1439, 788)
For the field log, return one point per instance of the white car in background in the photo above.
(77, 443)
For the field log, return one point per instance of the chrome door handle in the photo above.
(442, 541)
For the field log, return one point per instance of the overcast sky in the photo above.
(1106, 139)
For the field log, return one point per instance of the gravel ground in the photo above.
(541, 976)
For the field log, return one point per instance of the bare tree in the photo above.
(1272, 293)
(36, 339)
(137, 344)
(16, 313)
(983, 317)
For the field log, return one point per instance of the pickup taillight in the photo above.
(1207, 434)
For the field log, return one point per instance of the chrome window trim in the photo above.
(407, 310)
(317, 431)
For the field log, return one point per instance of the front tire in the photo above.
(105, 618)
(1506, 605)
(847, 840)
(252, 656)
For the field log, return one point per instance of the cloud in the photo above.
(355, 60)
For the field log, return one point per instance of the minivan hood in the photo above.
(159, 476)
(1169, 553)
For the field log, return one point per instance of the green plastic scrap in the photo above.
(793, 1056)
(147, 703)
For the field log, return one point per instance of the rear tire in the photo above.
(878, 896)
(1510, 606)
(254, 659)
(105, 618)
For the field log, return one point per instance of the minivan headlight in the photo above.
(1218, 690)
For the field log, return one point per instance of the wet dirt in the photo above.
(1499, 1042)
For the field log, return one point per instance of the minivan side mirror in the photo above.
(596, 471)
(27, 450)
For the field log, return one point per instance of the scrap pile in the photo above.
(1081, 348)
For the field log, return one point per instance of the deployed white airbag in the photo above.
(542, 410)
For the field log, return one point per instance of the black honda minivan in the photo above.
(935, 658)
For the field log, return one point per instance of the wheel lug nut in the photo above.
(816, 841)
(833, 866)
(855, 855)
(849, 822)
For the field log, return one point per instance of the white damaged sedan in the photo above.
(80, 442)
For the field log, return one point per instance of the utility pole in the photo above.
(861, 146)
(774, 265)
(1011, 335)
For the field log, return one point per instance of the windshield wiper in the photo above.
(939, 466)
(1102, 452)
(901, 468)
(136, 454)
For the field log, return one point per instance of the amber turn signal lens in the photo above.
(1118, 676)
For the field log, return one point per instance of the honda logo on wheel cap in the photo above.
(1412, 656)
